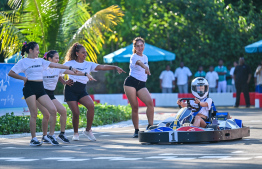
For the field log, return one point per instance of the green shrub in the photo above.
(104, 114)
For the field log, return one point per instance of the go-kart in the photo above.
(179, 129)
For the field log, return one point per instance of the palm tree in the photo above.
(55, 24)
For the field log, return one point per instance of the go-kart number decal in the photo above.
(172, 136)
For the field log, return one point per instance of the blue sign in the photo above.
(11, 90)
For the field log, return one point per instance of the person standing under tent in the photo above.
(182, 78)
(212, 78)
(221, 71)
(167, 80)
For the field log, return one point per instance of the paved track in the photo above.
(116, 148)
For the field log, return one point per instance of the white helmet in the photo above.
(200, 87)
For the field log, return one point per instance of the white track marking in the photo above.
(106, 158)
(236, 152)
(16, 159)
(254, 121)
(104, 135)
(210, 157)
(166, 157)
(9, 158)
(234, 159)
(125, 159)
(65, 159)
(178, 159)
(74, 160)
(226, 154)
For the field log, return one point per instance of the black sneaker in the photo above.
(63, 138)
(136, 133)
(46, 140)
(35, 143)
(53, 140)
(148, 126)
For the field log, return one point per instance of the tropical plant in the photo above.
(55, 25)
(104, 114)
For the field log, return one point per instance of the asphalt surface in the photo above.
(115, 148)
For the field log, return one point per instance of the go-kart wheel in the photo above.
(154, 142)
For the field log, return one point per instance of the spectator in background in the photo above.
(221, 71)
(242, 76)
(167, 80)
(258, 78)
(212, 78)
(232, 74)
(200, 72)
(229, 80)
(182, 78)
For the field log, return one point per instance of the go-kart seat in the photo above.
(211, 114)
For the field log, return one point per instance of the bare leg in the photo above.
(46, 115)
(73, 105)
(63, 114)
(31, 103)
(199, 122)
(132, 98)
(89, 104)
(144, 95)
(46, 102)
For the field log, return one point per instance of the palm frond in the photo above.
(90, 33)
(11, 37)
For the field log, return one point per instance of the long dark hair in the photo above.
(71, 54)
(135, 41)
(27, 46)
(50, 54)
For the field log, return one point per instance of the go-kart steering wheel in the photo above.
(188, 104)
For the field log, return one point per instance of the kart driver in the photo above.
(200, 89)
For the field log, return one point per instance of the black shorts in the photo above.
(75, 92)
(50, 93)
(33, 88)
(133, 82)
(206, 120)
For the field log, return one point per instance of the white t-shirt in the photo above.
(137, 71)
(50, 77)
(258, 76)
(32, 68)
(212, 78)
(82, 67)
(232, 74)
(182, 75)
(167, 77)
(203, 110)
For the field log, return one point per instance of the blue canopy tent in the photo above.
(254, 47)
(13, 59)
(153, 53)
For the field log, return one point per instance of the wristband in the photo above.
(199, 105)
(70, 67)
(85, 73)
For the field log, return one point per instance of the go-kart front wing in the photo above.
(193, 136)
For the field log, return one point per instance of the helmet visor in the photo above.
(200, 89)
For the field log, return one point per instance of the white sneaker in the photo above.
(75, 137)
(89, 135)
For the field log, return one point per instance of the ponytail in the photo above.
(27, 46)
(50, 54)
